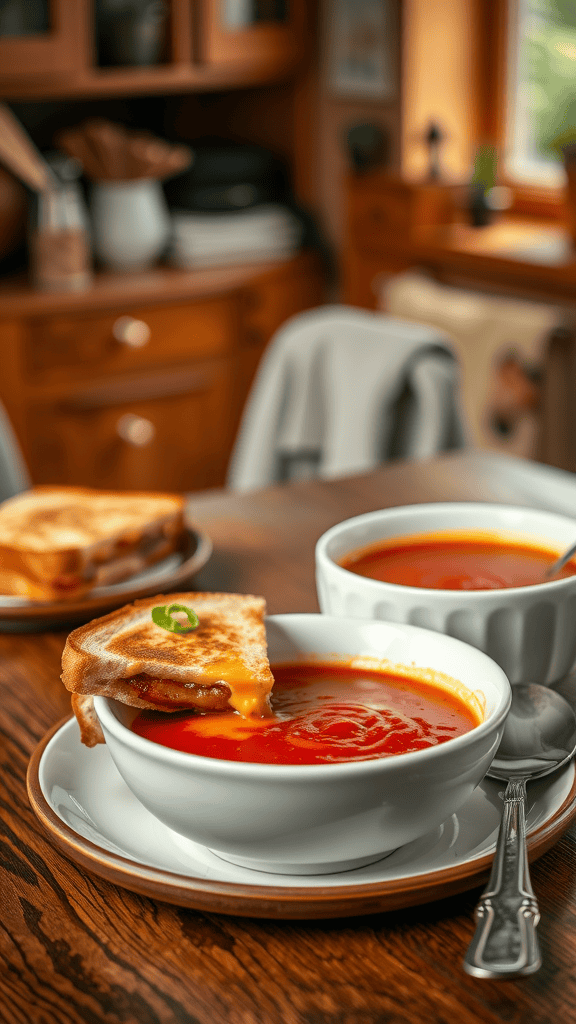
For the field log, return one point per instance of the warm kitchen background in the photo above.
(216, 166)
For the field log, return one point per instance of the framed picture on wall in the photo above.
(363, 42)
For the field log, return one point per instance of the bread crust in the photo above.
(90, 729)
(124, 655)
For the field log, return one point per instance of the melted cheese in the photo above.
(248, 696)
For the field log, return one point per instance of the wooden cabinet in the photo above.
(386, 208)
(43, 41)
(140, 380)
(76, 345)
(119, 387)
(261, 33)
(207, 45)
(386, 216)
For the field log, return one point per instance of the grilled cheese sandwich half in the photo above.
(222, 663)
(57, 543)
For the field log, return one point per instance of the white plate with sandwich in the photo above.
(72, 553)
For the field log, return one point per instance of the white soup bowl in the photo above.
(312, 819)
(529, 631)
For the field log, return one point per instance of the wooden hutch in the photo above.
(73, 384)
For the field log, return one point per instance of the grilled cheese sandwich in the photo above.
(221, 663)
(58, 543)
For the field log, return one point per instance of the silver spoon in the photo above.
(560, 562)
(539, 736)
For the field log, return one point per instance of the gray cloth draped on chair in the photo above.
(14, 476)
(340, 390)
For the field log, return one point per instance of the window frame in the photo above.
(546, 201)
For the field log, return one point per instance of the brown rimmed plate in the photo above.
(95, 820)
(19, 615)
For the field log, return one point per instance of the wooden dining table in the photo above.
(77, 947)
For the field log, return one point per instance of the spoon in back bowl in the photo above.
(560, 562)
(539, 736)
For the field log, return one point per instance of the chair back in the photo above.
(340, 390)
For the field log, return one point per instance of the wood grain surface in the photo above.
(75, 948)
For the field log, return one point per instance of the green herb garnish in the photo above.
(162, 616)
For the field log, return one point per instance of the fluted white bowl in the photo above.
(529, 631)
(313, 819)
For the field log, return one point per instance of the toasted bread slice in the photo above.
(57, 543)
(124, 655)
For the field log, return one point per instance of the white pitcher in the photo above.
(130, 223)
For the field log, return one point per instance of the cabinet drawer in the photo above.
(389, 216)
(377, 215)
(172, 432)
(68, 347)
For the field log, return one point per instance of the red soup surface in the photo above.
(322, 713)
(455, 561)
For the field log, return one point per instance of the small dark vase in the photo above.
(480, 212)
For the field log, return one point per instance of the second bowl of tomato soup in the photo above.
(377, 733)
(472, 570)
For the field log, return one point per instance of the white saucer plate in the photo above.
(91, 815)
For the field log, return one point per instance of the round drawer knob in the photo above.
(135, 430)
(129, 331)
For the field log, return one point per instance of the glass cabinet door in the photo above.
(39, 37)
(237, 14)
(256, 31)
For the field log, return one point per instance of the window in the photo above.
(541, 89)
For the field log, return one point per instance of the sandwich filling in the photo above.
(244, 695)
(208, 656)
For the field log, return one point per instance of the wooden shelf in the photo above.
(160, 284)
(162, 79)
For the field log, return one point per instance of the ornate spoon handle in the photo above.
(505, 943)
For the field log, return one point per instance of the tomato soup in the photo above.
(455, 561)
(322, 713)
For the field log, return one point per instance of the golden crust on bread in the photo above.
(126, 656)
(90, 728)
(57, 543)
